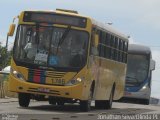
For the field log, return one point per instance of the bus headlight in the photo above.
(17, 74)
(144, 87)
(74, 81)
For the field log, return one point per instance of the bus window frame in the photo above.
(78, 17)
(36, 66)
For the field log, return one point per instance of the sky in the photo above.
(139, 19)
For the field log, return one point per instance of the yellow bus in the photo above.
(65, 57)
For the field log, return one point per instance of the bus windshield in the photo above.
(137, 69)
(48, 46)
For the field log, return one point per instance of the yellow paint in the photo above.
(103, 71)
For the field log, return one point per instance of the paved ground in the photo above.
(9, 108)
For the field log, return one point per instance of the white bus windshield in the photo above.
(137, 69)
(40, 45)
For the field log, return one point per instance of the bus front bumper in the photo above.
(144, 94)
(19, 86)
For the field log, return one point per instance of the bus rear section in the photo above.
(139, 74)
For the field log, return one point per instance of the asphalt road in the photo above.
(43, 111)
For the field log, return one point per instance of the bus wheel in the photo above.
(85, 105)
(145, 102)
(24, 99)
(61, 103)
(109, 102)
(99, 104)
(51, 101)
(104, 104)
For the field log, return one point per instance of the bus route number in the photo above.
(59, 81)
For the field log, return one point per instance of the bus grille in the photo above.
(39, 76)
(36, 90)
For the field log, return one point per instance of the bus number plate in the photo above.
(59, 81)
(43, 90)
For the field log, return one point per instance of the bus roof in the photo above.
(58, 11)
(110, 29)
(106, 27)
(138, 49)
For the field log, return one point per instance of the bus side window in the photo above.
(116, 48)
(104, 45)
(126, 47)
(108, 39)
(125, 52)
(93, 49)
(102, 42)
(120, 50)
(112, 47)
(108, 42)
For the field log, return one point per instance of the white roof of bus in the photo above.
(107, 27)
(110, 29)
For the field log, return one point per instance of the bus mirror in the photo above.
(152, 64)
(96, 40)
(11, 30)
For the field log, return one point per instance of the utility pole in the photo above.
(7, 43)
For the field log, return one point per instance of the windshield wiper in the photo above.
(37, 33)
(61, 40)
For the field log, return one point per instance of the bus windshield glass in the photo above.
(48, 46)
(137, 69)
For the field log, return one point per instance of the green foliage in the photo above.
(5, 57)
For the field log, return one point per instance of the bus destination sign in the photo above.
(54, 18)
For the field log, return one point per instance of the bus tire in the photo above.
(51, 101)
(145, 102)
(24, 99)
(99, 104)
(61, 103)
(85, 105)
(105, 104)
(109, 102)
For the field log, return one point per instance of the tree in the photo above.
(5, 57)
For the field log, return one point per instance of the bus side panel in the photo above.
(106, 73)
(102, 73)
(120, 80)
(17, 85)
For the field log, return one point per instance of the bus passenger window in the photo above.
(125, 58)
(116, 42)
(108, 39)
(93, 49)
(108, 52)
(122, 45)
(112, 41)
(121, 56)
(126, 47)
(103, 37)
(102, 53)
(116, 48)
(112, 53)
